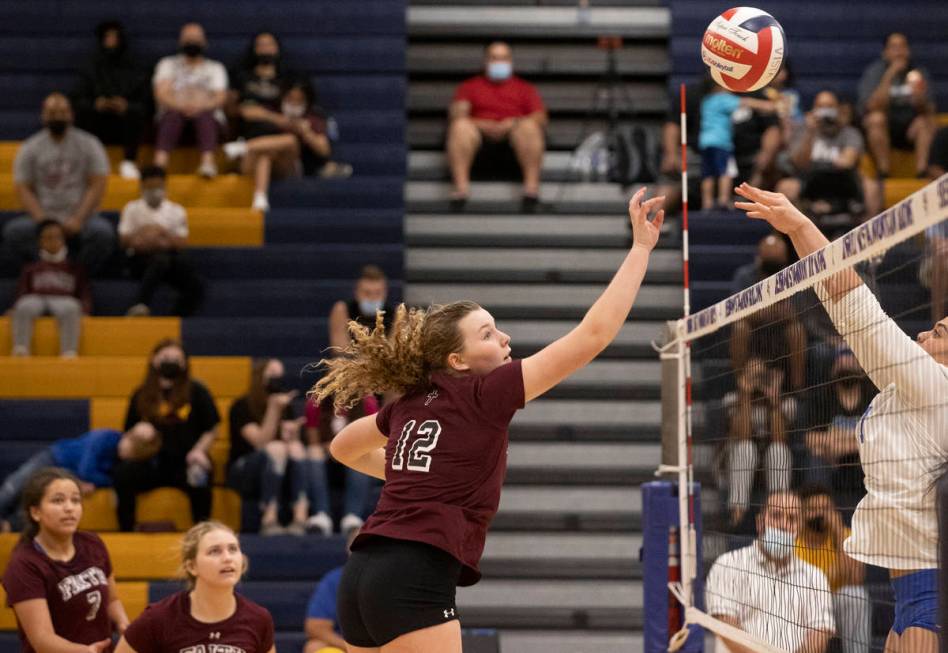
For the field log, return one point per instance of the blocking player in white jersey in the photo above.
(902, 437)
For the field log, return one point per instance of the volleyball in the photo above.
(743, 48)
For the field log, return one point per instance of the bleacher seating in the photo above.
(271, 280)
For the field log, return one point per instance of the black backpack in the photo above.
(635, 155)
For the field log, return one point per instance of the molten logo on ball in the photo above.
(744, 48)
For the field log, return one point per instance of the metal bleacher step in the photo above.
(559, 556)
(531, 301)
(504, 197)
(532, 264)
(581, 463)
(529, 336)
(591, 603)
(537, 60)
(551, 23)
(565, 132)
(540, 641)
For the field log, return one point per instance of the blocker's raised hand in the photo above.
(645, 232)
(775, 208)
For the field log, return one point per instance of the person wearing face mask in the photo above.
(110, 98)
(775, 335)
(60, 173)
(184, 413)
(190, 88)
(494, 111)
(266, 450)
(820, 543)
(369, 296)
(832, 453)
(153, 232)
(825, 159)
(767, 591)
(53, 285)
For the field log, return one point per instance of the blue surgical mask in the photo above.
(778, 543)
(498, 71)
(369, 307)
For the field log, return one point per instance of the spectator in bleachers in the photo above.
(938, 155)
(716, 141)
(183, 411)
(53, 285)
(830, 420)
(745, 585)
(322, 425)
(774, 335)
(369, 296)
(110, 98)
(496, 110)
(322, 623)
(313, 129)
(782, 93)
(266, 145)
(90, 456)
(759, 419)
(207, 614)
(820, 543)
(669, 183)
(60, 173)
(826, 159)
(897, 110)
(153, 232)
(266, 448)
(190, 88)
(758, 141)
(59, 579)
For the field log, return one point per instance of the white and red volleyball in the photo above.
(743, 48)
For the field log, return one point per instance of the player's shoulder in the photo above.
(164, 609)
(252, 611)
(24, 554)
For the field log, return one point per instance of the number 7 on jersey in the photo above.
(423, 441)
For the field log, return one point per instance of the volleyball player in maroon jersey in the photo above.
(59, 580)
(442, 448)
(208, 616)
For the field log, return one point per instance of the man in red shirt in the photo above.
(500, 107)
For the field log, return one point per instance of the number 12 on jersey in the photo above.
(423, 441)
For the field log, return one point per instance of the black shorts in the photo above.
(393, 587)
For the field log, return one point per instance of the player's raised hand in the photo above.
(645, 232)
(775, 208)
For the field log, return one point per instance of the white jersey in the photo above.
(902, 436)
(779, 604)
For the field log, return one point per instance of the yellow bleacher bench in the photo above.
(109, 376)
(188, 190)
(101, 336)
(164, 505)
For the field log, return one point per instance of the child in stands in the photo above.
(53, 284)
(208, 614)
(59, 580)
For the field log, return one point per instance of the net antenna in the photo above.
(923, 210)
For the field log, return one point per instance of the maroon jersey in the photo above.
(168, 627)
(76, 591)
(445, 463)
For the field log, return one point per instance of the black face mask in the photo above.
(57, 127)
(275, 385)
(768, 267)
(265, 59)
(191, 49)
(113, 52)
(817, 524)
(170, 370)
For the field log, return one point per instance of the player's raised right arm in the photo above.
(361, 446)
(603, 320)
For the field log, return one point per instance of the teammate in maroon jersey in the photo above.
(442, 448)
(59, 580)
(208, 616)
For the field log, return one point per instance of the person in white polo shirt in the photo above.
(767, 591)
(153, 231)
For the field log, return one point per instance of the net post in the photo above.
(941, 511)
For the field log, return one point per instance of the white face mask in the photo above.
(777, 542)
(291, 110)
(498, 71)
(57, 257)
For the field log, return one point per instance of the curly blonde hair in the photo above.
(417, 344)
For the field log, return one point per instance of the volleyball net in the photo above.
(816, 420)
